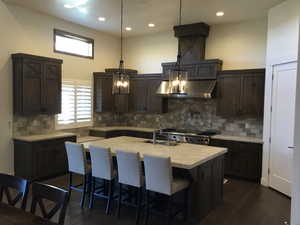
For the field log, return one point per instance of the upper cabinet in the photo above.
(241, 93)
(104, 100)
(37, 84)
(143, 97)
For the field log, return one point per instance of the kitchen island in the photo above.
(204, 165)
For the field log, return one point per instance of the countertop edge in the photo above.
(238, 139)
(43, 137)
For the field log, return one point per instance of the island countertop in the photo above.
(185, 156)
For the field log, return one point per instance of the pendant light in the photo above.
(120, 78)
(177, 76)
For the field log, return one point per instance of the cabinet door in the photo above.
(229, 145)
(229, 96)
(252, 98)
(154, 101)
(103, 97)
(138, 95)
(51, 94)
(32, 90)
(121, 103)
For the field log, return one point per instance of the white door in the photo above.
(282, 126)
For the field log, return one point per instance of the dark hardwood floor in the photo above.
(245, 203)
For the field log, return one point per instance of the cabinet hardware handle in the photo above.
(291, 147)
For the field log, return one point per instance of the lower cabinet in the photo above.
(41, 159)
(243, 160)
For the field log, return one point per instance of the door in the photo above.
(229, 96)
(154, 102)
(282, 127)
(51, 93)
(138, 95)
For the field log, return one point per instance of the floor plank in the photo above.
(245, 203)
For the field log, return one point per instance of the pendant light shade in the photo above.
(120, 78)
(178, 77)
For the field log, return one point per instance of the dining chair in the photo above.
(130, 175)
(102, 168)
(10, 183)
(159, 179)
(41, 192)
(78, 165)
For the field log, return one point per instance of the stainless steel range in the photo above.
(183, 136)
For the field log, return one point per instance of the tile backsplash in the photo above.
(194, 114)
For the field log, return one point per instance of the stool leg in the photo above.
(147, 207)
(186, 204)
(83, 191)
(92, 196)
(119, 200)
(110, 195)
(70, 184)
(139, 204)
(169, 210)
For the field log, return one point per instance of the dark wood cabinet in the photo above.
(104, 100)
(243, 159)
(143, 97)
(37, 84)
(37, 160)
(241, 93)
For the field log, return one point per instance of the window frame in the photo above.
(74, 37)
(77, 124)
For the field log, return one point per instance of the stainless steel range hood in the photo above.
(194, 89)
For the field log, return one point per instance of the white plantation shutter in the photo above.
(76, 105)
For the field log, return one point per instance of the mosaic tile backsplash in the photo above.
(194, 114)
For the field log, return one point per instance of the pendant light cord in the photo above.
(121, 60)
(179, 46)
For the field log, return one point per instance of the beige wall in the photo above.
(30, 32)
(239, 45)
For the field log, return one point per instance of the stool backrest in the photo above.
(76, 158)
(158, 174)
(129, 168)
(59, 196)
(102, 165)
(8, 183)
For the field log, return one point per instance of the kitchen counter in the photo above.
(185, 156)
(117, 128)
(88, 139)
(238, 138)
(43, 137)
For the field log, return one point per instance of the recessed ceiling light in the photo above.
(220, 13)
(151, 25)
(128, 28)
(83, 10)
(102, 19)
(68, 6)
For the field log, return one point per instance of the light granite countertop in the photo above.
(186, 156)
(88, 139)
(238, 138)
(113, 128)
(43, 137)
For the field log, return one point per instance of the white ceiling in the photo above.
(164, 13)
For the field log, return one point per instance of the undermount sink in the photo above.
(161, 142)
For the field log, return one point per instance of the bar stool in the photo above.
(78, 165)
(102, 168)
(159, 179)
(130, 175)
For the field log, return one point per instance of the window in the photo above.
(76, 105)
(73, 44)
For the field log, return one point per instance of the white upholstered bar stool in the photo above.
(77, 164)
(102, 168)
(130, 174)
(159, 179)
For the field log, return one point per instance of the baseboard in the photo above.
(264, 181)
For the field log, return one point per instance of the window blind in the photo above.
(76, 105)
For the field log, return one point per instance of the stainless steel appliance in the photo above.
(184, 136)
